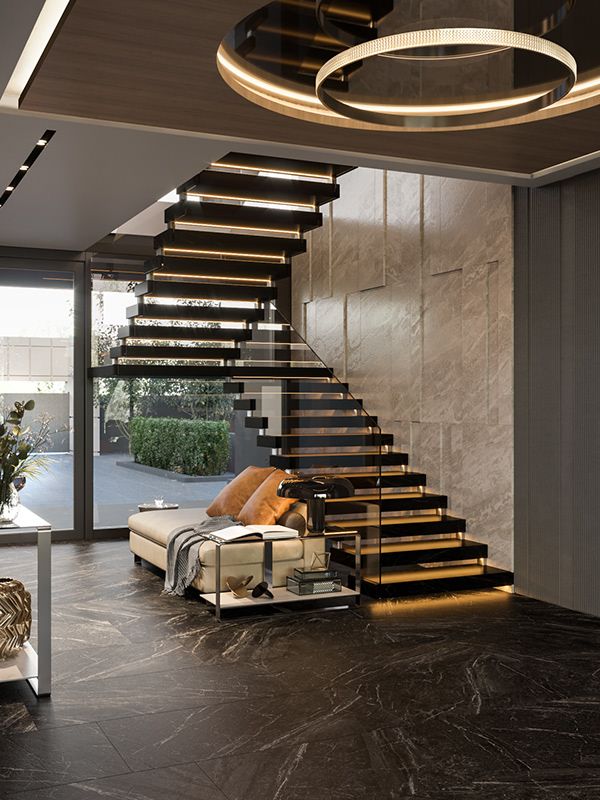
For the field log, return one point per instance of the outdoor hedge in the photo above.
(191, 447)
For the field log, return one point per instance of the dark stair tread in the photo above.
(223, 372)
(258, 188)
(365, 459)
(415, 525)
(183, 333)
(244, 404)
(174, 266)
(204, 291)
(407, 553)
(219, 372)
(385, 479)
(433, 579)
(151, 311)
(311, 169)
(296, 387)
(298, 441)
(272, 373)
(297, 423)
(324, 403)
(230, 243)
(270, 220)
(387, 501)
(176, 352)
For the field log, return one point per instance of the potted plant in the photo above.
(19, 457)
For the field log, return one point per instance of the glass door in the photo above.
(148, 433)
(37, 324)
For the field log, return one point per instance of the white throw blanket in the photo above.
(183, 552)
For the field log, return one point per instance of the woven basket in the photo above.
(15, 616)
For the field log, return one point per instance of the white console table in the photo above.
(35, 668)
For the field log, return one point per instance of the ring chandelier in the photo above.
(447, 114)
(349, 35)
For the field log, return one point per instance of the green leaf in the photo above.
(29, 405)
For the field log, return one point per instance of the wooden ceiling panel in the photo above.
(152, 62)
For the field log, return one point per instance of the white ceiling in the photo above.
(91, 178)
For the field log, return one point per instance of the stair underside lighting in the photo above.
(217, 253)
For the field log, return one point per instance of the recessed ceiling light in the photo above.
(27, 164)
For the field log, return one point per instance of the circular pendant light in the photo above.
(448, 115)
(350, 27)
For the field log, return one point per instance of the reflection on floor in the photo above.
(117, 492)
(486, 695)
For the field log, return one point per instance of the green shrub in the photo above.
(189, 446)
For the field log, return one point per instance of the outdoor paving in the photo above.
(117, 492)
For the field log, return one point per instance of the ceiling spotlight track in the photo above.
(38, 149)
(448, 115)
(332, 21)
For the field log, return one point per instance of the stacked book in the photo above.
(314, 581)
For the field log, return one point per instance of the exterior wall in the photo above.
(557, 385)
(39, 361)
(406, 291)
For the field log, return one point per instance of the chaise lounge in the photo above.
(252, 499)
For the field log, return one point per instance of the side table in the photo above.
(281, 595)
(35, 668)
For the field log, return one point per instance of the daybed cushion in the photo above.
(157, 525)
(231, 498)
(264, 507)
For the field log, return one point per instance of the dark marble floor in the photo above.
(486, 695)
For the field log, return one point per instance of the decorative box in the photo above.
(307, 574)
(314, 586)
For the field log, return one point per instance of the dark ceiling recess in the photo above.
(39, 148)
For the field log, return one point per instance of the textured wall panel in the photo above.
(557, 386)
(409, 297)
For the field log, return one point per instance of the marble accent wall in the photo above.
(407, 292)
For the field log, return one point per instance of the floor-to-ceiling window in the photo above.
(37, 319)
(138, 425)
(57, 317)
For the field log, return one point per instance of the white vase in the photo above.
(9, 505)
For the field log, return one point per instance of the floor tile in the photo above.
(344, 768)
(180, 736)
(43, 758)
(184, 782)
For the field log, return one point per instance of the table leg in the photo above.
(357, 565)
(268, 560)
(218, 581)
(42, 684)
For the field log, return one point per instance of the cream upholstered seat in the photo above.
(149, 531)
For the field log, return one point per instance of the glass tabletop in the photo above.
(25, 522)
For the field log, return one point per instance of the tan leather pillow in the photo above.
(232, 497)
(264, 507)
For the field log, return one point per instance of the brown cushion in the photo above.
(232, 497)
(264, 507)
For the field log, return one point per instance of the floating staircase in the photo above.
(208, 309)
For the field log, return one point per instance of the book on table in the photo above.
(264, 532)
